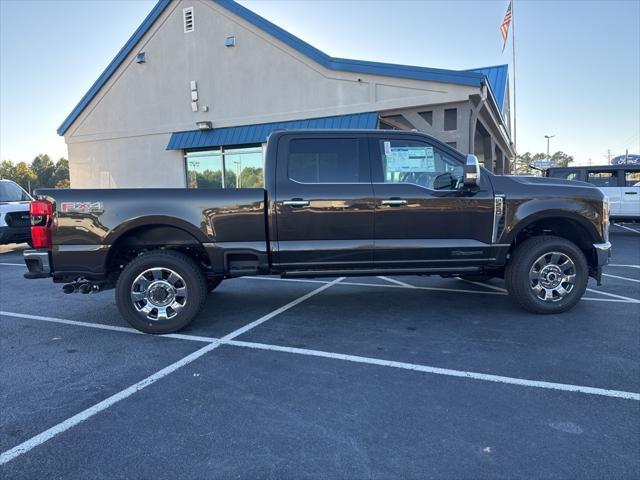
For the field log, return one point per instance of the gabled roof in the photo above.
(495, 76)
(258, 133)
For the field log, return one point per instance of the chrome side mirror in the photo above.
(471, 171)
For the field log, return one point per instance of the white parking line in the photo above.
(627, 228)
(613, 295)
(228, 340)
(443, 371)
(621, 278)
(14, 264)
(481, 284)
(620, 265)
(100, 326)
(136, 387)
(397, 282)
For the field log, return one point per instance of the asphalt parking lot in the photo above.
(404, 377)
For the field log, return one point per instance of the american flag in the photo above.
(504, 26)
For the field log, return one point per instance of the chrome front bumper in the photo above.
(37, 263)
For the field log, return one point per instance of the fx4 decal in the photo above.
(81, 207)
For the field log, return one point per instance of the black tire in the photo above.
(189, 273)
(212, 283)
(522, 261)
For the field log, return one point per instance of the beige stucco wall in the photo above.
(124, 130)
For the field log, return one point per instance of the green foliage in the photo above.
(24, 176)
(42, 173)
(559, 159)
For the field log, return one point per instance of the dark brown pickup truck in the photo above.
(335, 203)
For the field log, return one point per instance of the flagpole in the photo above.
(513, 50)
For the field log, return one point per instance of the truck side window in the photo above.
(632, 178)
(325, 160)
(566, 174)
(408, 161)
(603, 178)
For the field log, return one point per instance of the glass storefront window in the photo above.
(225, 168)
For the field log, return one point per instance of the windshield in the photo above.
(11, 192)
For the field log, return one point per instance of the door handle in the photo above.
(630, 193)
(296, 202)
(394, 202)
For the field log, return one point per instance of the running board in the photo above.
(377, 271)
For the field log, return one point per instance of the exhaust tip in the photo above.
(68, 288)
(85, 288)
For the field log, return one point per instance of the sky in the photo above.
(577, 62)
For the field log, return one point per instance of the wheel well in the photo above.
(138, 240)
(561, 227)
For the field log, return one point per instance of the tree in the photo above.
(61, 174)
(7, 170)
(561, 159)
(44, 169)
(24, 176)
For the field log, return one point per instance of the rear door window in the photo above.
(327, 160)
(11, 192)
(603, 178)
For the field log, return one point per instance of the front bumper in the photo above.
(38, 264)
(603, 253)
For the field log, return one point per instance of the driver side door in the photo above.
(423, 217)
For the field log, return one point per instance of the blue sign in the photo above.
(631, 159)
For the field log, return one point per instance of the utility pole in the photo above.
(608, 155)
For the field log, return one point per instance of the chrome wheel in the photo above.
(552, 276)
(159, 293)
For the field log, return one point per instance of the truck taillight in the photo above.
(41, 212)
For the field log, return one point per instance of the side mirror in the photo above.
(471, 171)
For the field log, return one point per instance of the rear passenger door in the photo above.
(324, 202)
(606, 179)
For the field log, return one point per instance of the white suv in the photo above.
(15, 224)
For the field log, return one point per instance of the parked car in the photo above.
(15, 226)
(621, 183)
(335, 203)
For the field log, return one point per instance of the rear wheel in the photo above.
(547, 275)
(160, 291)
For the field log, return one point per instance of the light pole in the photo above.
(548, 137)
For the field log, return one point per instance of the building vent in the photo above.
(187, 19)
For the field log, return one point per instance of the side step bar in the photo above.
(377, 271)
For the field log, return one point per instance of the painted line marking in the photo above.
(444, 371)
(627, 228)
(215, 342)
(621, 265)
(493, 287)
(613, 295)
(113, 328)
(61, 427)
(14, 264)
(439, 289)
(397, 282)
(621, 278)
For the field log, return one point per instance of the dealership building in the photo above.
(192, 96)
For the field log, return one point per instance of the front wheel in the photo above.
(160, 291)
(547, 275)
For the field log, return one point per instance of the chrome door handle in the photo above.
(296, 203)
(394, 202)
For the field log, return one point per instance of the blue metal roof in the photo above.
(460, 77)
(497, 77)
(258, 133)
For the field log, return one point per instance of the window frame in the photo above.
(613, 171)
(377, 173)
(364, 161)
